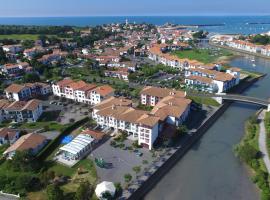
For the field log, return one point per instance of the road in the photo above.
(262, 141)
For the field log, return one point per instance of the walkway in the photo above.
(262, 141)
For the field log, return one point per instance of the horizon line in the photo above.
(187, 15)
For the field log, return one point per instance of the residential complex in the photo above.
(20, 111)
(143, 125)
(82, 92)
(211, 80)
(27, 91)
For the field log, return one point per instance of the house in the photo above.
(266, 50)
(56, 56)
(120, 73)
(31, 142)
(30, 53)
(27, 91)
(16, 69)
(24, 111)
(152, 95)
(13, 48)
(3, 105)
(8, 136)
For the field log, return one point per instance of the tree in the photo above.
(3, 58)
(200, 35)
(22, 161)
(84, 191)
(107, 195)
(136, 169)
(31, 77)
(54, 192)
(127, 178)
(247, 152)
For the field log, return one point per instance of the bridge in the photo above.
(235, 97)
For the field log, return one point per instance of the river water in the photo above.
(210, 171)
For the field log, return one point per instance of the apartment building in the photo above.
(145, 126)
(27, 91)
(211, 80)
(152, 95)
(120, 73)
(15, 70)
(24, 111)
(13, 48)
(82, 92)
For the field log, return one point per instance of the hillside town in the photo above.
(113, 91)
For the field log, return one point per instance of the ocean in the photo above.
(228, 24)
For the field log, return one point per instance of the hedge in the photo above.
(56, 142)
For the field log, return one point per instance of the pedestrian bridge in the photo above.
(235, 97)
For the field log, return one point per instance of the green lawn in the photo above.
(204, 100)
(38, 125)
(22, 36)
(204, 55)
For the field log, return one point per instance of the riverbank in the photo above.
(239, 50)
(250, 151)
(194, 137)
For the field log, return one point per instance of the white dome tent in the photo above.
(103, 187)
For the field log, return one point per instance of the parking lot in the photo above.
(121, 161)
(67, 111)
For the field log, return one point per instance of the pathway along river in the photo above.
(210, 171)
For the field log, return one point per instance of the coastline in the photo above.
(195, 137)
(239, 50)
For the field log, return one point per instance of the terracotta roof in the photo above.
(4, 103)
(201, 79)
(64, 82)
(104, 90)
(7, 133)
(15, 88)
(162, 92)
(95, 134)
(171, 106)
(24, 105)
(113, 101)
(27, 142)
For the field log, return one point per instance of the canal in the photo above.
(210, 171)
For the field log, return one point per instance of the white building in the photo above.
(27, 91)
(211, 80)
(8, 136)
(152, 95)
(142, 125)
(81, 91)
(24, 111)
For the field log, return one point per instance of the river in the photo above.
(210, 171)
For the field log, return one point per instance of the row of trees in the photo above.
(50, 30)
(261, 39)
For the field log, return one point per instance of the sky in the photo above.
(40, 8)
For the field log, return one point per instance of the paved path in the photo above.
(262, 141)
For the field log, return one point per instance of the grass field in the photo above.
(204, 55)
(204, 100)
(38, 125)
(22, 36)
